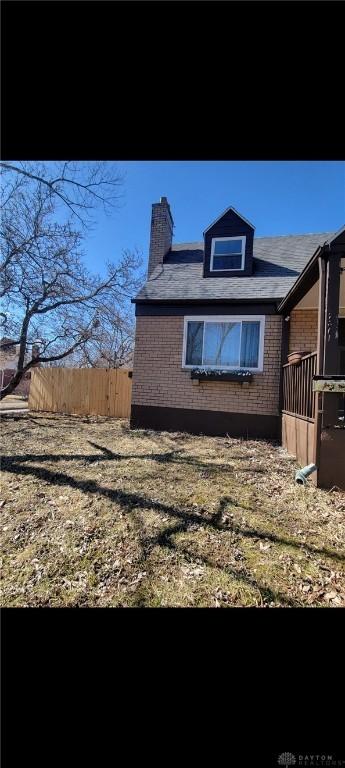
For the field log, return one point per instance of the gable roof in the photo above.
(231, 208)
(277, 262)
(310, 274)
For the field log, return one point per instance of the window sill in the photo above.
(239, 376)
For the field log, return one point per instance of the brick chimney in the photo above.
(161, 233)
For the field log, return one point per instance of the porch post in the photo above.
(331, 348)
(319, 359)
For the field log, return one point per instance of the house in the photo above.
(9, 353)
(216, 320)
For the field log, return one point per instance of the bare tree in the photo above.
(47, 293)
(111, 344)
(77, 186)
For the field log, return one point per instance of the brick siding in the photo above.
(303, 330)
(158, 378)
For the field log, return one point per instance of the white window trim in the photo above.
(225, 319)
(222, 239)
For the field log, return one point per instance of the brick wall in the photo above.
(158, 378)
(303, 330)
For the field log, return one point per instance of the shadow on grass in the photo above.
(130, 501)
(65, 421)
(239, 574)
(174, 456)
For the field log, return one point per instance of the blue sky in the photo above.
(278, 198)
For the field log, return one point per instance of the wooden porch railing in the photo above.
(298, 395)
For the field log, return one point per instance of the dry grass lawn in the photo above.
(94, 514)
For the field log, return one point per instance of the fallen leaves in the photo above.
(338, 601)
(192, 571)
(330, 596)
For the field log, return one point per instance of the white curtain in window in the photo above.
(250, 344)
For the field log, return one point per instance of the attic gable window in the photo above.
(227, 254)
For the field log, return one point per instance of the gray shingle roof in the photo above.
(276, 265)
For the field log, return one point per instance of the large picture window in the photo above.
(227, 253)
(224, 342)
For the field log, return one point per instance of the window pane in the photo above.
(227, 262)
(194, 343)
(227, 246)
(250, 344)
(221, 344)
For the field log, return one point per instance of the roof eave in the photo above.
(310, 274)
(253, 300)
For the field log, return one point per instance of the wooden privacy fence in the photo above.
(82, 391)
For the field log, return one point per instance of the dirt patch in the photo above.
(94, 514)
